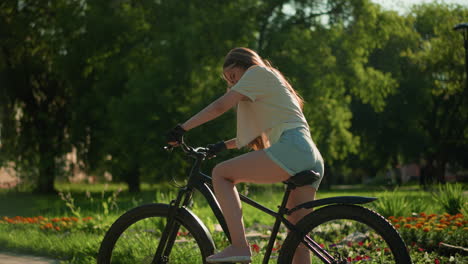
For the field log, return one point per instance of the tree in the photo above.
(425, 118)
(109, 78)
(389, 132)
(325, 50)
(440, 59)
(172, 68)
(34, 96)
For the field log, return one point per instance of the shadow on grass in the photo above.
(89, 197)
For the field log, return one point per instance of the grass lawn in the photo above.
(70, 227)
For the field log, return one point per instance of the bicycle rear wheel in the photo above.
(349, 233)
(134, 237)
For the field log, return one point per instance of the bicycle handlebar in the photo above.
(196, 152)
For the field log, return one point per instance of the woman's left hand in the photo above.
(214, 149)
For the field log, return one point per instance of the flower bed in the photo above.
(429, 231)
(424, 235)
(51, 224)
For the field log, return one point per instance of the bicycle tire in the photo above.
(352, 213)
(153, 212)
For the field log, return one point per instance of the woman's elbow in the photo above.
(221, 109)
(217, 108)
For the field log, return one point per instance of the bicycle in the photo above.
(171, 233)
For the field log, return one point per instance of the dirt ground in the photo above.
(10, 258)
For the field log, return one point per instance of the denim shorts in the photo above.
(295, 152)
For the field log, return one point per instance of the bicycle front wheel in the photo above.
(348, 233)
(134, 237)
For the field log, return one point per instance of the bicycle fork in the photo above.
(169, 233)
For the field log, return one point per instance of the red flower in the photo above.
(278, 247)
(436, 261)
(255, 248)
(182, 233)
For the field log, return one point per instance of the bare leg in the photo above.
(298, 196)
(228, 198)
(254, 167)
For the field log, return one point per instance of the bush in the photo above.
(450, 197)
(393, 203)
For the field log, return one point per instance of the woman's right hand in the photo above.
(175, 136)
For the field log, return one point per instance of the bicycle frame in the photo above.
(202, 183)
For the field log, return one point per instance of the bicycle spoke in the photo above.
(351, 241)
(349, 233)
(139, 242)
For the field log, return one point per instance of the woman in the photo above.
(271, 122)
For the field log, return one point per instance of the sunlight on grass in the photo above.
(79, 244)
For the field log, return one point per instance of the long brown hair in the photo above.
(245, 58)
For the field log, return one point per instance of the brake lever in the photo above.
(201, 149)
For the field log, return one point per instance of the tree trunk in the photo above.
(47, 152)
(440, 171)
(132, 179)
(45, 182)
(433, 172)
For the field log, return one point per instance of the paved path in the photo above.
(10, 258)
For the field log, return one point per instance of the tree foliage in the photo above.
(109, 78)
(425, 119)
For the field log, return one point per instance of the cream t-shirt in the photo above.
(271, 109)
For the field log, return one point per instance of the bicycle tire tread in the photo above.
(186, 219)
(346, 211)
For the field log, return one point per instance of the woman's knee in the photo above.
(220, 172)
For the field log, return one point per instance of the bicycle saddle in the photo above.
(303, 178)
